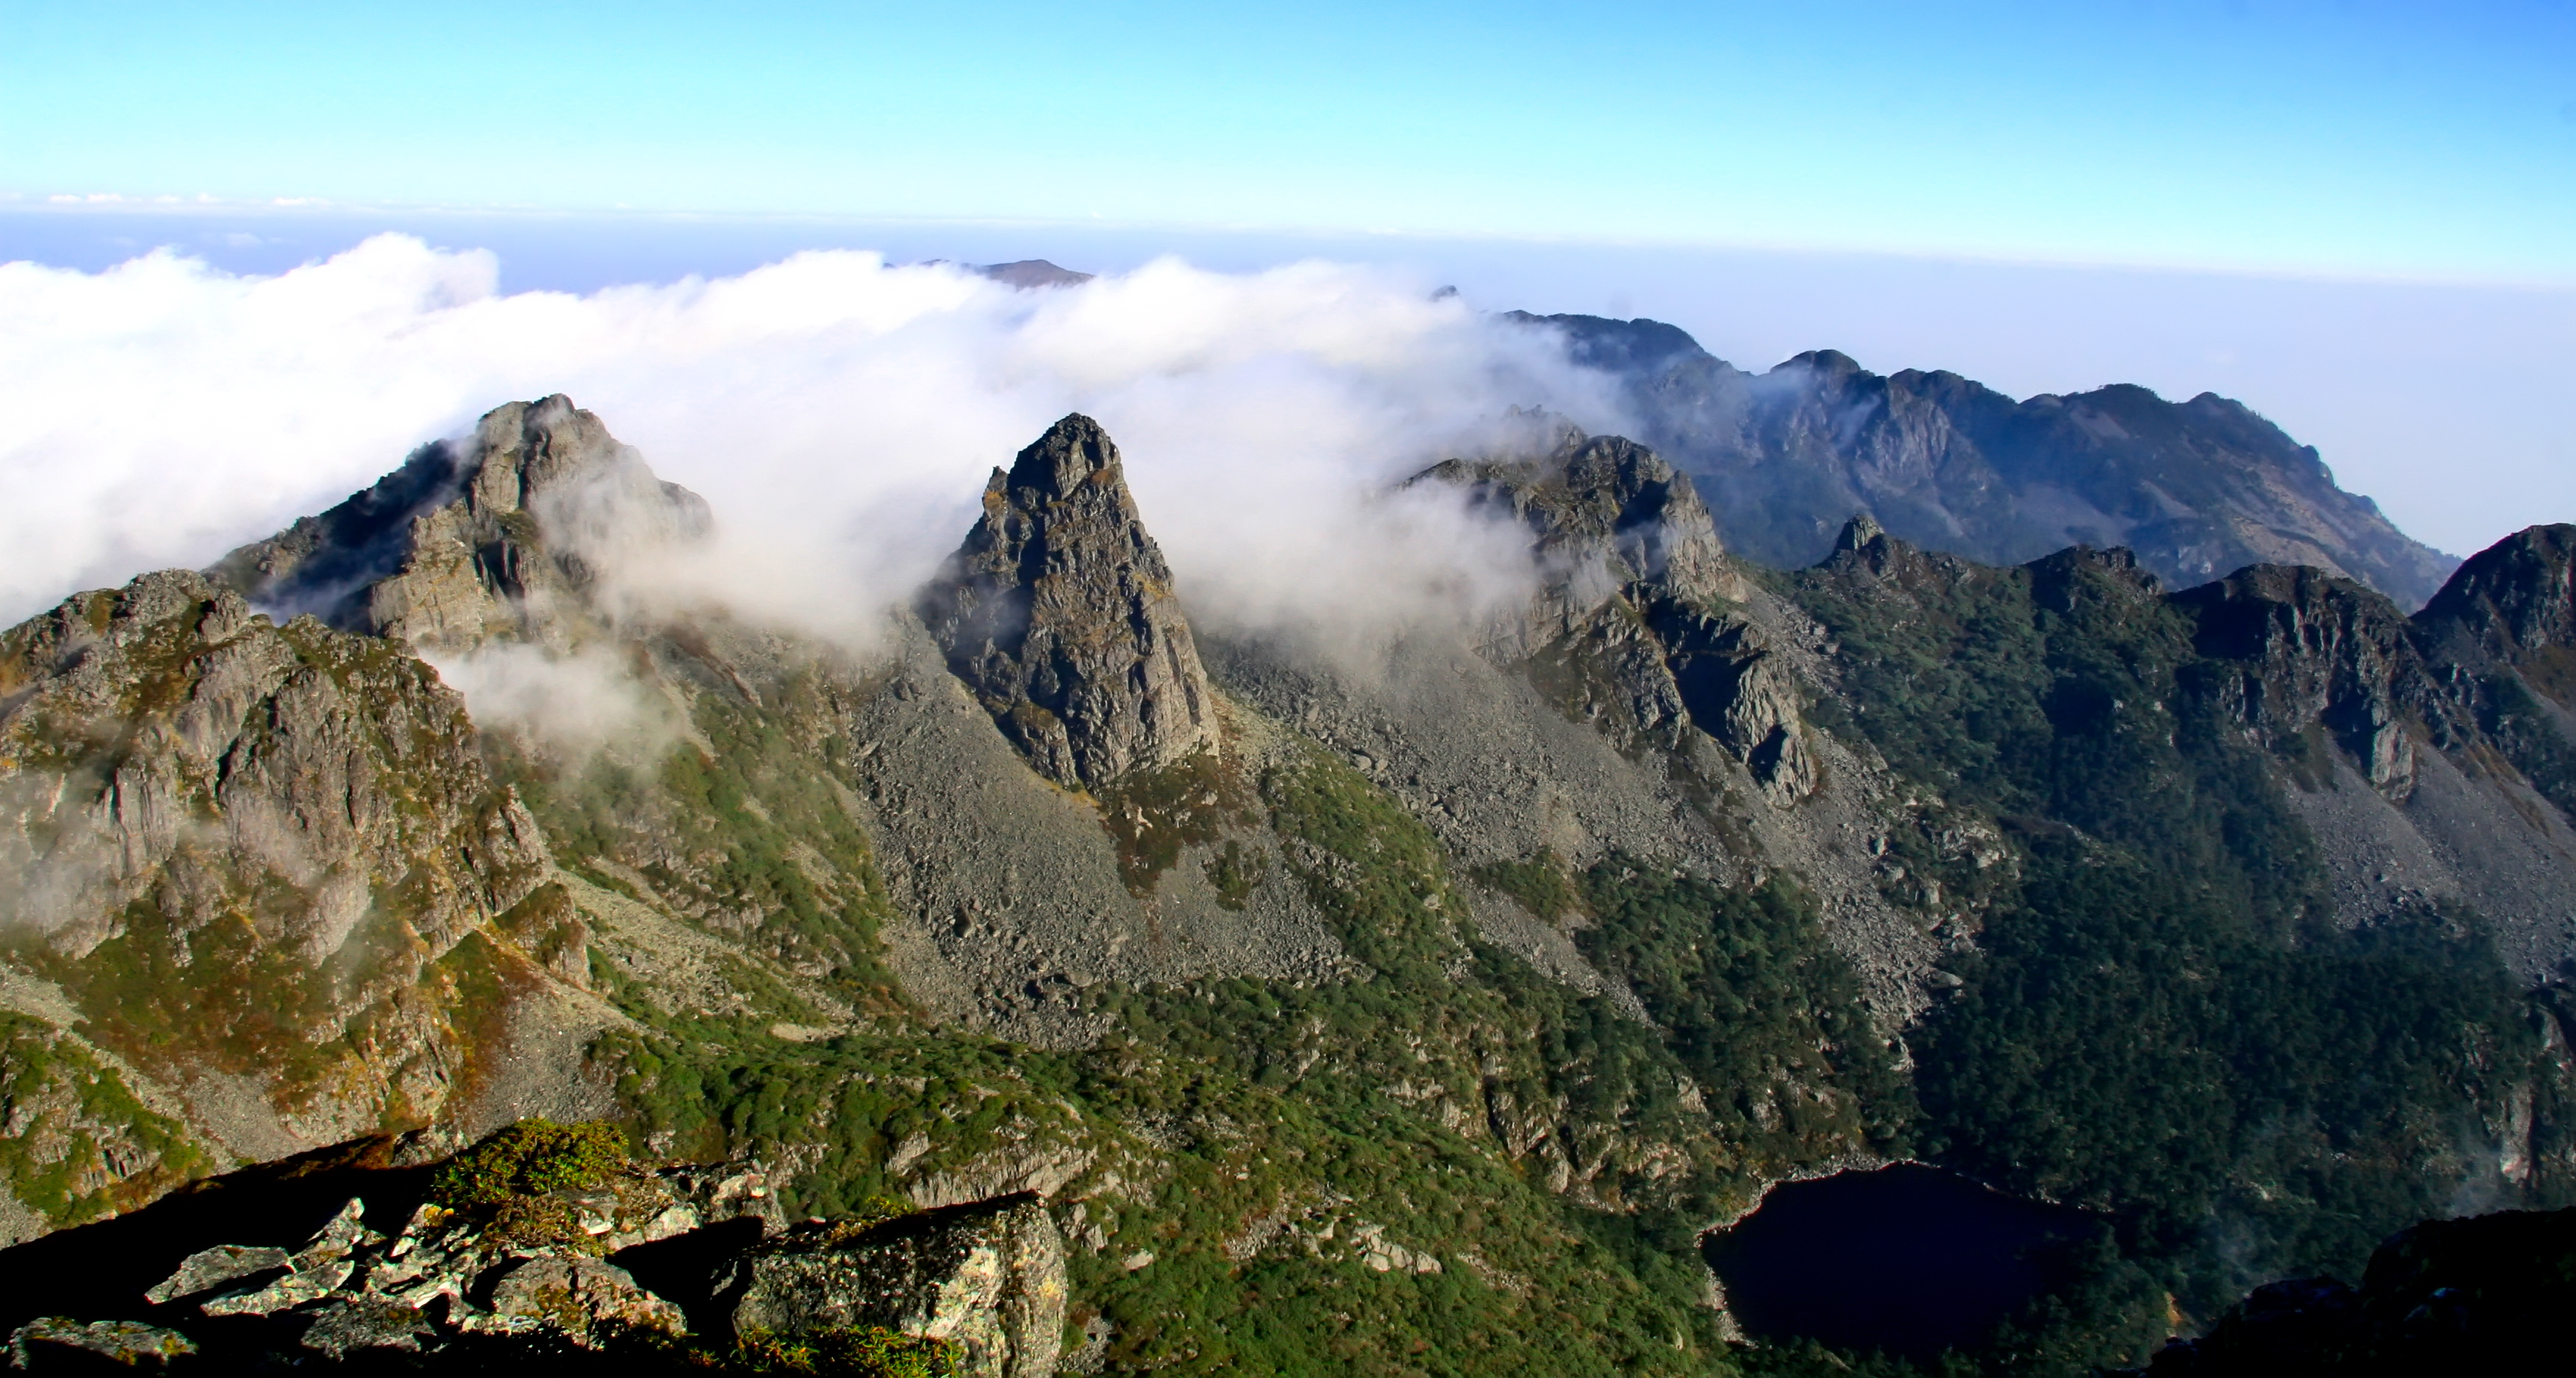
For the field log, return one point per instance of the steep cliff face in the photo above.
(251, 858)
(1058, 614)
(2197, 488)
(2321, 652)
(502, 534)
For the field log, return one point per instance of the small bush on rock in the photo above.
(530, 1158)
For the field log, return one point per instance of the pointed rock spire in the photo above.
(1058, 613)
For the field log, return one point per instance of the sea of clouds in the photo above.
(840, 413)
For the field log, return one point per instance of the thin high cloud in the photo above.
(839, 413)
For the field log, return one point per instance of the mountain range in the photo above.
(2197, 489)
(1139, 995)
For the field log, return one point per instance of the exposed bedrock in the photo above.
(1058, 615)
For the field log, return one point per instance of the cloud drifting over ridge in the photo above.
(839, 413)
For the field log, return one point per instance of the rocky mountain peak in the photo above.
(1858, 532)
(2315, 648)
(2514, 601)
(2197, 488)
(500, 533)
(1604, 512)
(1058, 614)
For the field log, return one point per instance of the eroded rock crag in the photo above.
(1058, 614)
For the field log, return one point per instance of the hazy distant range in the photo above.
(2442, 401)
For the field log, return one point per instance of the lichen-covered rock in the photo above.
(989, 1276)
(1058, 614)
(343, 1326)
(57, 1344)
(500, 534)
(587, 1300)
(221, 1266)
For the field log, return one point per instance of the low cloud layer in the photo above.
(838, 413)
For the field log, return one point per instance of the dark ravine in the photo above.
(1413, 1013)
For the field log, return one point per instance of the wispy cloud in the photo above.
(839, 413)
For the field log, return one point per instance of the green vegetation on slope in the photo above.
(2161, 1022)
(1444, 1165)
(750, 834)
(1767, 1018)
(78, 1144)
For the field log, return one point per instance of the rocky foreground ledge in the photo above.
(543, 1242)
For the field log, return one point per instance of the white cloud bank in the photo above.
(838, 413)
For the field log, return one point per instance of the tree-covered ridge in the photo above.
(2161, 1020)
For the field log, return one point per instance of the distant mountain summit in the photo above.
(1032, 272)
(2196, 488)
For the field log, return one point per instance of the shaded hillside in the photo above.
(2197, 488)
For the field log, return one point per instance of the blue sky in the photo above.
(2411, 140)
(2359, 218)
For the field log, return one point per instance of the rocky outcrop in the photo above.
(234, 844)
(58, 1344)
(1058, 614)
(1604, 515)
(2513, 604)
(503, 533)
(988, 1275)
(2197, 488)
(573, 1273)
(1636, 624)
(2310, 649)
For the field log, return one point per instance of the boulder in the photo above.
(56, 1344)
(588, 1300)
(224, 1264)
(989, 1276)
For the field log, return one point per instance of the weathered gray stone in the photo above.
(989, 1276)
(1635, 625)
(208, 1269)
(1058, 614)
(343, 1326)
(284, 1294)
(497, 535)
(587, 1300)
(60, 1344)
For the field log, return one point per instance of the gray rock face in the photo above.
(56, 1344)
(2315, 649)
(207, 1269)
(2513, 603)
(988, 1275)
(585, 1298)
(500, 534)
(1637, 624)
(2197, 488)
(276, 818)
(1604, 514)
(1058, 614)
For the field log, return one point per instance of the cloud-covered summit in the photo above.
(837, 412)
